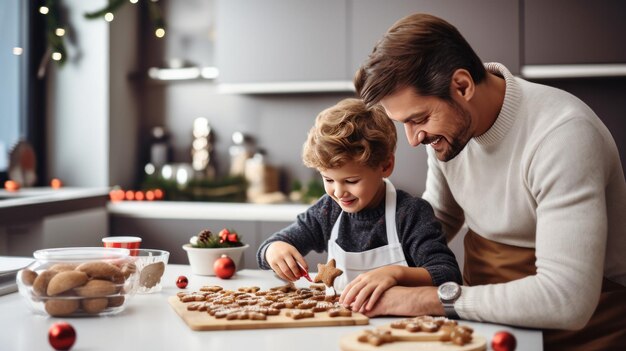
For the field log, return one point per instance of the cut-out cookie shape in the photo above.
(326, 273)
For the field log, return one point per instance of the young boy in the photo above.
(378, 237)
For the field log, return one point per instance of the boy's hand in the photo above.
(362, 293)
(284, 259)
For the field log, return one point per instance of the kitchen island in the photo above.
(149, 323)
(41, 217)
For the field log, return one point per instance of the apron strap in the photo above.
(490, 262)
(390, 214)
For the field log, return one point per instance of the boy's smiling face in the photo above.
(355, 187)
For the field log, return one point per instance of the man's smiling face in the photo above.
(442, 124)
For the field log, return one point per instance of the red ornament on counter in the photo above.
(182, 282)
(56, 183)
(11, 185)
(503, 341)
(224, 267)
(61, 336)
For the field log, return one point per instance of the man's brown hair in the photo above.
(421, 51)
(349, 131)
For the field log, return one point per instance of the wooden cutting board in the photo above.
(204, 321)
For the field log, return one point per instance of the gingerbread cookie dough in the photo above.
(326, 273)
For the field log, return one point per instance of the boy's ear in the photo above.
(388, 166)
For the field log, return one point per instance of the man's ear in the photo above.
(388, 166)
(462, 84)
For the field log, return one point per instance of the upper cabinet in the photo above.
(574, 38)
(276, 44)
(574, 31)
(490, 26)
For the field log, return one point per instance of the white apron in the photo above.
(355, 263)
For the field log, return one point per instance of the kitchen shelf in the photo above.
(338, 86)
(180, 74)
(573, 71)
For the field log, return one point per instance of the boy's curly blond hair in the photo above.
(349, 131)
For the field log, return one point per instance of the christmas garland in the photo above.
(55, 29)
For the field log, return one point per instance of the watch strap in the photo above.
(450, 311)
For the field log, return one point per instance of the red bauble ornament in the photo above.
(11, 185)
(224, 267)
(61, 336)
(56, 183)
(182, 282)
(503, 341)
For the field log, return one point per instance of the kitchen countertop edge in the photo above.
(33, 204)
(206, 210)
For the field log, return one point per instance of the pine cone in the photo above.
(204, 237)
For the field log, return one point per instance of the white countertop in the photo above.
(206, 210)
(149, 323)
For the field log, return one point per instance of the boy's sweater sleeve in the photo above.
(424, 243)
(305, 234)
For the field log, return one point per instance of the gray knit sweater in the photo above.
(419, 233)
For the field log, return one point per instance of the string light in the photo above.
(55, 32)
(159, 32)
(17, 51)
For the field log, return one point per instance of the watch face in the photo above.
(449, 291)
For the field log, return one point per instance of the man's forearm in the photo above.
(408, 301)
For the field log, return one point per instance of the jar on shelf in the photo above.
(240, 151)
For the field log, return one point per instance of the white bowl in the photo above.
(202, 259)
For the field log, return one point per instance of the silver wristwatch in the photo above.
(448, 293)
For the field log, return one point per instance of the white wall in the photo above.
(90, 119)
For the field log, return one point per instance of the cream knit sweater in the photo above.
(546, 175)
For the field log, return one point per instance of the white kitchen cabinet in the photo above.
(167, 225)
(490, 26)
(280, 41)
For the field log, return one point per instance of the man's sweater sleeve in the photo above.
(567, 177)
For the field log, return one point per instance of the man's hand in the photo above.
(284, 259)
(408, 301)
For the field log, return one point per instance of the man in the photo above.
(530, 169)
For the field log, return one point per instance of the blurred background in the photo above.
(211, 100)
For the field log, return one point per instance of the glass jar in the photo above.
(78, 281)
